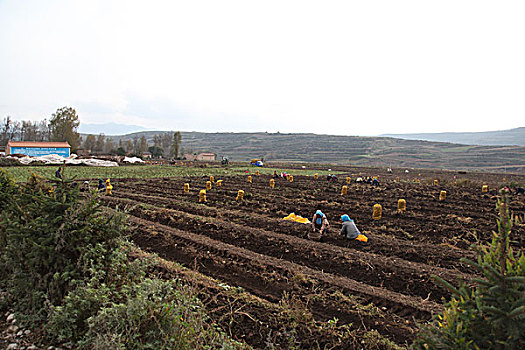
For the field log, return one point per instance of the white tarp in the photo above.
(132, 160)
(56, 159)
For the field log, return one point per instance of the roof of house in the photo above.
(207, 154)
(38, 144)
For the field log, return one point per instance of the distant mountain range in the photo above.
(503, 137)
(356, 150)
(109, 129)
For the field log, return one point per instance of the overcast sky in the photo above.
(332, 67)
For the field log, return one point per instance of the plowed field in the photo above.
(384, 285)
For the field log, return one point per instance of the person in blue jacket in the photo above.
(320, 222)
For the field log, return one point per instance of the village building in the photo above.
(207, 157)
(36, 149)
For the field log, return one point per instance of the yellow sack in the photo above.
(240, 195)
(362, 238)
(296, 218)
(401, 205)
(376, 211)
(202, 196)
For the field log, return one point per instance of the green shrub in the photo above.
(105, 285)
(65, 265)
(491, 314)
(9, 162)
(54, 240)
(7, 189)
(156, 315)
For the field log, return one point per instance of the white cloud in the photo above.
(339, 67)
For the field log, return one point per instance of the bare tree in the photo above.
(43, 131)
(89, 143)
(29, 131)
(129, 146)
(175, 146)
(157, 140)
(99, 144)
(135, 144)
(5, 130)
(167, 140)
(109, 146)
(142, 146)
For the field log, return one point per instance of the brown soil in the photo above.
(247, 244)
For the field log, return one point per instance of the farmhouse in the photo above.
(36, 149)
(200, 156)
(206, 156)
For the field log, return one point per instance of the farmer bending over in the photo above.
(320, 222)
(350, 230)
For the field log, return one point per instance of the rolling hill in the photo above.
(502, 137)
(356, 150)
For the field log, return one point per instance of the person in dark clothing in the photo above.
(101, 186)
(350, 230)
(58, 173)
(84, 187)
(375, 181)
(520, 190)
(319, 222)
(275, 176)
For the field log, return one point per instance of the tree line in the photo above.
(165, 145)
(63, 126)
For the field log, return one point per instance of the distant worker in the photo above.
(320, 222)
(85, 186)
(359, 180)
(520, 190)
(275, 176)
(329, 177)
(375, 181)
(101, 186)
(350, 230)
(58, 173)
(109, 187)
(334, 177)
